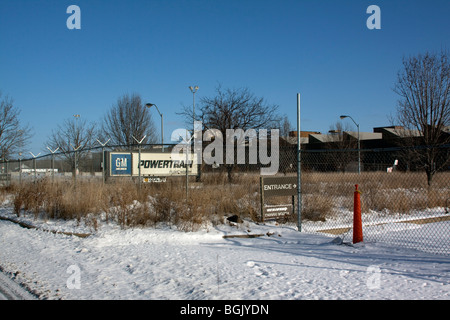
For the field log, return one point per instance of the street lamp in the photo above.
(359, 143)
(20, 168)
(194, 90)
(77, 146)
(149, 105)
(76, 116)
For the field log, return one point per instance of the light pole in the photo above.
(149, 105)
(75, 149)
(194, 90)
(76, 142)
(359, 143)
(20, 168)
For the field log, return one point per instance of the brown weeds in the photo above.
(213, 199)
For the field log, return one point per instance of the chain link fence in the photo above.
(397, 203)
(399, 206)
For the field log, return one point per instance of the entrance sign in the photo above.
(280, 186)
(276, 187)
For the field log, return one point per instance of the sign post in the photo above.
(284, 186)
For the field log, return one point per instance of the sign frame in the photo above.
(153, 164)
(123, 164)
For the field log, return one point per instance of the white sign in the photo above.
(162, 164)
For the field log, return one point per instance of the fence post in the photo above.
(20, 168)
(299, 169)
(357, 222)
(53, 162)
(261, 194)
(103, 159)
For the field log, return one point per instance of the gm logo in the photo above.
(120, 164)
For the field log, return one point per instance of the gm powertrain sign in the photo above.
(150, 164)
(120, 164)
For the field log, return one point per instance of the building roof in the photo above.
(293, 140)
(379, 133)
(364, 135)
(401, 132)
(303, 134)
(322, 138)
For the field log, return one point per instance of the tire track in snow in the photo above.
(10, 290)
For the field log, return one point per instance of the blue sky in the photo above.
(321, 49)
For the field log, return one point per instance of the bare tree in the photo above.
(13, 135)
(129, 118)
(73, 138)
(424, 108)
(235, 109)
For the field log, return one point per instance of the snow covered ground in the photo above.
(10, 290)
(163, 263)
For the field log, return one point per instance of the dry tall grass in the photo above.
(124, 203)
(397, 192)
(214, 198)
